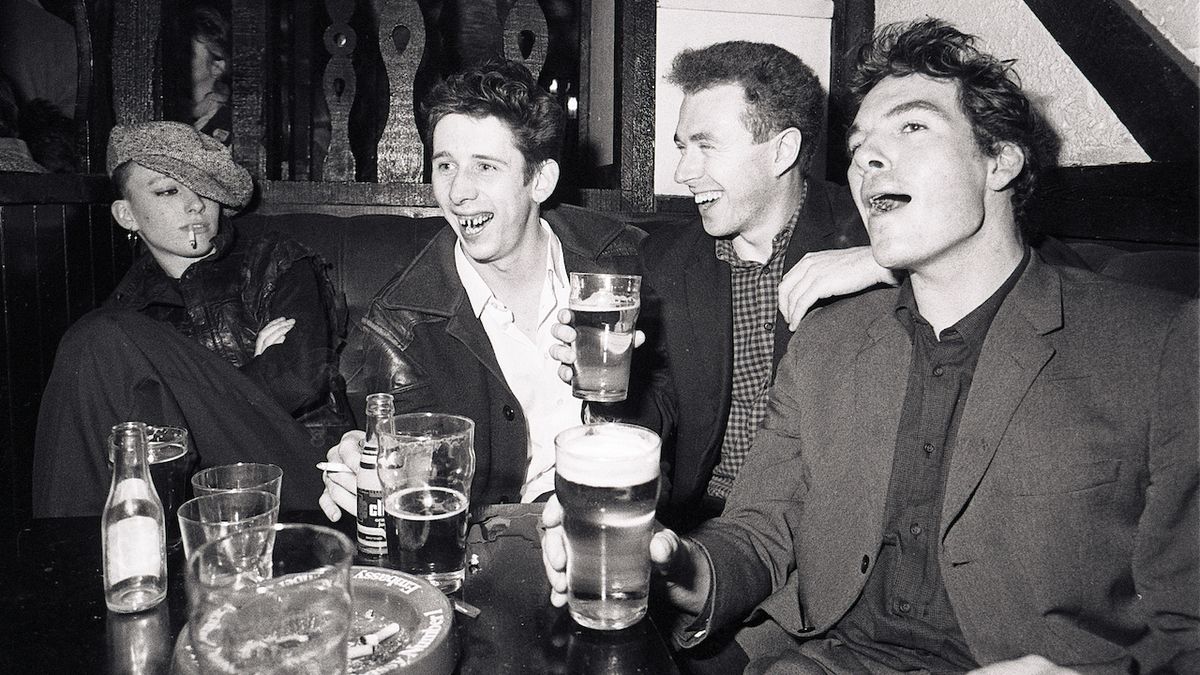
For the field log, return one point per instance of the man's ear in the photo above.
(1006, 166)
(786, 146)
(545, 180)
(124, 215)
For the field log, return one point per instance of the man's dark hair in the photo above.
(780, 90)
(989, 91)
(507, 91)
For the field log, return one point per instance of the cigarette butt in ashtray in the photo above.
(380, 635)
(366, 644)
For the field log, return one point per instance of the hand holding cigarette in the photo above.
(340, 474)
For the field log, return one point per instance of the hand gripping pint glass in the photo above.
(607, 482)
(605, 309)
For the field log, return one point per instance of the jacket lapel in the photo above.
(1014, 352)
(431, 286)
(710, 315)
(814, 231)
(880, 382)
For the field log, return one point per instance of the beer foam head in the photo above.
(605, 301)
(607, 455)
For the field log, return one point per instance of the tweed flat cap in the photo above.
(195, 159)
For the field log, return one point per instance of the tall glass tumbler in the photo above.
(605, 309)
(606, 478)
(210, 517)
(272, 601)
(426, 466)
(238, 476)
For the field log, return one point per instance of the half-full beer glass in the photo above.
(426, 467)
(605, 308)
(607, 482)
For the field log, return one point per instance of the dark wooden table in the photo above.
(53, 618)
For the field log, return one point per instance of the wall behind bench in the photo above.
(60, 256)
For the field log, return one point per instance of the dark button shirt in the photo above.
(755, 289)
(904, 619)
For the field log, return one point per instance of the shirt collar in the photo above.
(478, 292)
(779, 244)
(974, 326)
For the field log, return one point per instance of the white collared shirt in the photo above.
(529, 370)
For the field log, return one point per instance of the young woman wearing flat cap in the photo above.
(234, 338)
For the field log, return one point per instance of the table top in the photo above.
(55, 620)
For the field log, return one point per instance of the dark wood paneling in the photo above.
(853, 23)
(58, 260)
(401, 154)
(23, 372)
(634, 97)
(31, 188)
(249, 24)
(1151, 203)
(135, 63)
(1154, 97)
(365, 194)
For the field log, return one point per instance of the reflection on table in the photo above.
(56, 620)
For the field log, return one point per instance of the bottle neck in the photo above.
(130, 452)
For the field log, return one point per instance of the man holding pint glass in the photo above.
(464, 326)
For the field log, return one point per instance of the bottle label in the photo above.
(132, 549)
(372, 539)
(131, 489)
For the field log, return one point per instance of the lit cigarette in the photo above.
(372, 639)
(334, 467)
(192, 232)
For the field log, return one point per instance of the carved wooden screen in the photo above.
(324, 93)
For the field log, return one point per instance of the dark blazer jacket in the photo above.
(421, 341)
(691, 326)
(1069, 525)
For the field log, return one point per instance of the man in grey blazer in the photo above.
(993, 466)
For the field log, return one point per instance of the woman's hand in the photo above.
(273, 333)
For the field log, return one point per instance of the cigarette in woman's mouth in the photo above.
(192, 232)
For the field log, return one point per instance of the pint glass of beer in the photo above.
(425, 466)
(605, 308)
(607, 482)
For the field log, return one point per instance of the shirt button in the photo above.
(905, 607)
(937, 371)
(509, 413)
(928, 448)
(866, 562)
(915, 528)
(768, 326)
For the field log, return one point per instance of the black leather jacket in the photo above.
(223, 301)
(421, 341)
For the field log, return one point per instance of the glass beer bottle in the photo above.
(372, 539)
(133, 528)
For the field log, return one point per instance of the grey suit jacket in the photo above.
(1069, 525)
